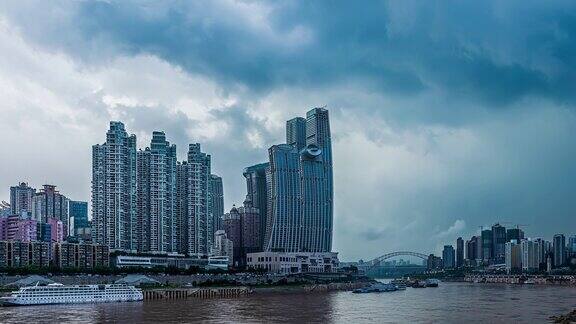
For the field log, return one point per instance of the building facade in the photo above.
(156, 226)
(114, 190)
(216, 191)
(459, 253)
(448, 257)
(78, 211)
(300, 188)
(294, 262)
(257, 193)
(559, 244)
(50, 203)
(21, 199)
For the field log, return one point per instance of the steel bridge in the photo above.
(376, 261)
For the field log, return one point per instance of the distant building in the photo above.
(78, 211)
(434, 263)
(514, 234)
(178, 261)
(242, 225)
(487, 246)
(530, 256)
(44, 232)
(257, 193)
(459, 252)
(513, 257)
(448, 257)
(15, 228)
(572, 244)
(223, 246)
(21, 199)
(50, 203)
(15, 254)
(81, 256)
(559, 242)
(294, 262)
(474, 251)
(216, 189)
(296, 132)
(56, 230)
(498, 243)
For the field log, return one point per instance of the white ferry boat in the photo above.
(61, 294)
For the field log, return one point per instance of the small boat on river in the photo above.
(376, 288)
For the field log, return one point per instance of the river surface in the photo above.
(449, 303)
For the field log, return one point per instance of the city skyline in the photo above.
(440, 123)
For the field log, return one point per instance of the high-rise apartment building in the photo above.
(300, 188)
(242, 227)
(512, 256)
(195, 221)
(514, 234)
(156, 226)
(21, 199)
(530, 256)
(114, 190)
(216, 191)
(257, 193)
(50, 203)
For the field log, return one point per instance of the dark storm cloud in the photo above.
(492, 52)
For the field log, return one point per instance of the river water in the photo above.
(449, 303)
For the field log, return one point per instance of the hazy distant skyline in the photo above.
(445, 116)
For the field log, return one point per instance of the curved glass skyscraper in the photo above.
(299, 181)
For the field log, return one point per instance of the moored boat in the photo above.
(376, 288)
(73, 294)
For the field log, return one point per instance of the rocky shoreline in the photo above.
(565, 319)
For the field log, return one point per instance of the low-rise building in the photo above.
(81, 256)
(151, 261)
(294, 262)
(16, 254)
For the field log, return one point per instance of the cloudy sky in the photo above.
(446, 116)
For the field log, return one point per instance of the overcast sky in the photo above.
(445, 115)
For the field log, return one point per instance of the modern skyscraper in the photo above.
(21, 199)
(78, 210)
(257, 193)
(514, 234)
(471, 250)
(156, 196)
(300, 196)
(459, 253)
(487, 250)
(114, 190)
(530, 256)
(572, 244)
(216, 201)
(50, 203)
(498, 243)
(559, 243)
(448, 257)
(296, 132)
(195, 217)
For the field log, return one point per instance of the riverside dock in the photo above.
(205, 293)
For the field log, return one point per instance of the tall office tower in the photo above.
(514, 234)
(296, 132)
(156, 196)
(50, 203)
(318, 157)
(257, 193)
(284, 221)
(459, 253)
(499, 243)
(78, 211)
(193, 203)
(471, 250)
(448, 257)
(487, 248)
(559, 246)
(114, 190)
(216, 201)
(21, 199)
(300, 189)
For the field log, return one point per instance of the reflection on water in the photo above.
(449, 303)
